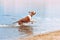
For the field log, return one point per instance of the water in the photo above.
(41, 27)
(11, 33)
(7, 33)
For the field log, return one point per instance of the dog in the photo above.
(27, 19)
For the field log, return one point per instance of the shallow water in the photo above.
(12, 33)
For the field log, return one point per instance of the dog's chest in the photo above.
(29, 17)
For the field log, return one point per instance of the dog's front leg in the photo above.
(33, 21)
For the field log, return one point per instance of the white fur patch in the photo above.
(29, 17)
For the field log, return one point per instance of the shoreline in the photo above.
(48, 36)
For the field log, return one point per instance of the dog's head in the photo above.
(32, 13)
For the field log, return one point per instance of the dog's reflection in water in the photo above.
(26, 29)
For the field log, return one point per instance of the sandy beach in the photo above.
(48, 36)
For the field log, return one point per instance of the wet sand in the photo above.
(48, 36)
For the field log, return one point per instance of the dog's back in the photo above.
(24, 20)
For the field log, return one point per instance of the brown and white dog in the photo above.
(26, 19)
